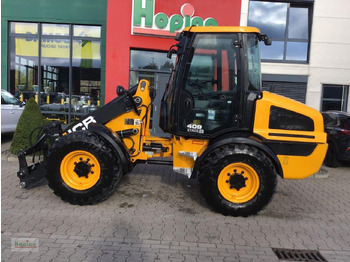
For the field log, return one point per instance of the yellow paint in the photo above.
(188, 145)
(141, 123)
(71, 179)
(246, 193)
(299, 167)
(294, 167)
(262, 117)
(222, 29)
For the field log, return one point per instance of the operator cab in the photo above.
(216, 79)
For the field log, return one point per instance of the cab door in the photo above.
(210, 95)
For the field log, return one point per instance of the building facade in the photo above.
(71, 55)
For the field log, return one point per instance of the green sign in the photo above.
(144, 20)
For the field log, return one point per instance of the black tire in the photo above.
(228, 162)
(105, 163)
(331, 157)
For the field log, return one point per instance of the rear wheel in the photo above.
(237, 180)
(82, 168)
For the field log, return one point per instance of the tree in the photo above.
(30, 119)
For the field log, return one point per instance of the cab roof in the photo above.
(222, 29)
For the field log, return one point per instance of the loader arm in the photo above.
(34, 174)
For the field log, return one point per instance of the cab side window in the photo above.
(211, 85)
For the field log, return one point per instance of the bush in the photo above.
(30, 119)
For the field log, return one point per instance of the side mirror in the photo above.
(268, 41)
(120, 91)
(178, 36)
(170, 53)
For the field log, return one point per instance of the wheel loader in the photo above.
(221, 129)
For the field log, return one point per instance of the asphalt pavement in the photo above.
(158, 215)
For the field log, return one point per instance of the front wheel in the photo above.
(237, 180)
(82, 168)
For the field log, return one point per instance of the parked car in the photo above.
(11, 110)
(337, 126)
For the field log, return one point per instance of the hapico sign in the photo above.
(144, 21)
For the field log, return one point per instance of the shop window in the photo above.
(145, 64)
(335, 97)
(155, 67)
(289, 26)
(57, 64)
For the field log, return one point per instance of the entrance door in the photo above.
(160, 82)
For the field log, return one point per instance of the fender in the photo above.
(238, 140)
(114, 140)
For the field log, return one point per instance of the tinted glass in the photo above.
(253, 54)
(24, 28)
(281, 118)
(332, 91)
(270, 18)
(7, 98)
(298, 23)
(87, 31)
(344, 122)
(55, 67)
(329, 119)
(211, 87)
(287, 25)
(274, 51)
(23, 66)
(297, 51)
(151, 60)
(55, 29)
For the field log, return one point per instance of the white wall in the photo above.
(329, 49)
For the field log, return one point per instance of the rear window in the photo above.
(344, 122)
(7, 98)
(329, 119)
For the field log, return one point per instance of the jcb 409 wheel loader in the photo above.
(223, 130)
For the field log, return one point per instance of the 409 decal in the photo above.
(194, 128)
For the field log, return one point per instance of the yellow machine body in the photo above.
(184, 152)
(291, 163)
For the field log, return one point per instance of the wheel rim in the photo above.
(80, 170)
(238, 183)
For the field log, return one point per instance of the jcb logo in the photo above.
(83, 125)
